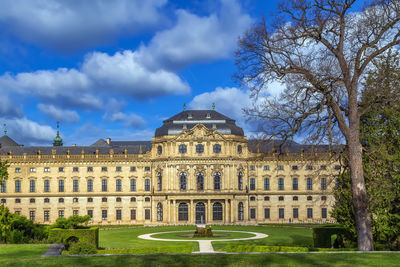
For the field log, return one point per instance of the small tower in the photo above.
(5, 129)
(57, 140)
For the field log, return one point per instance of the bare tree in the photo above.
(320, 50)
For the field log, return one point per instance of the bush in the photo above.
(66, 236)
(322, 236)
(82, 248)
(254, 248)
(73, 222)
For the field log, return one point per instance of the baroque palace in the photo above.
(198, 168)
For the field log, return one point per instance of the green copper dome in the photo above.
(57, 140)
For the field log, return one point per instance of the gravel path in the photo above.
(205, 245)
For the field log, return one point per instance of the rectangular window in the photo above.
(46, 169)
(32, 215)
(17, 186)
(119, 215)
(280, 167)
(46, 216)
(281, 184)
(104, 185)
(337, 167)
(60, 185)
(309, 213)
(61, 214)
(295, 184)
(266, 213)
(90, 185)
(60, 169)
(17, 170)
(266, 183)
(118, 169)
(32, 169)
(281, 213)
(104, 215)
(90, 213)
(18, 212)
(75, 185)
(323, 167)
(323, 183)
(309, 167)
(46, 186)
(295, 213)
(103, 169)
(252, 184)
(133, 168)
(32, 186)
(133, 214)
(324, 213)
(133, 185)
(309, 184)
(266, 167)
(147, 214)
(252, 213)
(252, 168)
(75, 169)
(90, 169)
(295, 167)
(3, 186)
(75, 212)
(147, 185)
(147, 169)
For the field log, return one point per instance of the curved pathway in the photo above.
(205, 245)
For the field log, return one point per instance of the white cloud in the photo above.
(8, 108)
(228, 101)
(65, 25)
(197, 38)
(27, 132)
(59, 114)
(131, 120)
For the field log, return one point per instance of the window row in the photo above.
(199, 149)
(88, 169)
(281, 183)
(74, 200)
(200, 210)
(75, 185)
(296, 167)
(199, 181)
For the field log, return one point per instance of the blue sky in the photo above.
(117, 68)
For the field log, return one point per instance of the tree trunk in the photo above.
(359, 192)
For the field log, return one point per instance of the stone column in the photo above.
(208, 215)
(174, 208)
(191, 210)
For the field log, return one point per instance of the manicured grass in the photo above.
(21, 252)
(128, 238)
(354, 259)
(230, 235)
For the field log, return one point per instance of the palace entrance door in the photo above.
(200, 213)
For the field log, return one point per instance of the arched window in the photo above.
(217, 148)
(159, 181)
(183, 212)
(159, 150)
(200, 181)
(217, 211)
(182, 181)
(240, 181)
(118, 185)
(239, 149)
(240, 211)
(217, 181)
(182, 149)
(159, 212)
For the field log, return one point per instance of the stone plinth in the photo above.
(203, 230)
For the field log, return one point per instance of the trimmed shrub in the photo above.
(255, 248)
(82, 248)
(67, 236)
(322, 236)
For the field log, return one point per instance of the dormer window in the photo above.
(208, 116)
(189, 116)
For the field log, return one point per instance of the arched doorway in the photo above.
(200, 213)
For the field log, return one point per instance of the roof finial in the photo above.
(57, 140)
(213, 106)
(184, 106)
(5, 129)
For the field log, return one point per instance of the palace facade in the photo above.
(198, 168)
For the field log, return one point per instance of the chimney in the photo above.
(108, 140)
(74, 145)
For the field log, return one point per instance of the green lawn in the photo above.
(356, 259)
(229, 235)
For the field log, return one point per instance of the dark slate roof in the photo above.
(211, 119)
(7, 141)
(100, 143)
(265, 146)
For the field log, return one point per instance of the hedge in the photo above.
(256, 248)
(90, 235)
(322, 235)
